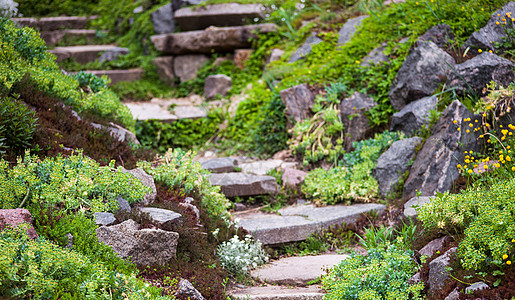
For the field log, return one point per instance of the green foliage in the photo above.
(382, 274)
(17, 125)
(177, 170)
(93, 82)
(374, 238)
(71, 183)
(371, 149)
(37, 8)
(39, 269)
(270, 133)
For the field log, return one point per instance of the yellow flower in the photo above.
(504, 256)
(458, 129)
(468, 131)
(496, 23)
(467, 161)
(459, 166)
(470, 171)
(470, 125)
(455, 121)
(513, 240)
(508, 262)
(485, 167)
(513, 169)
(508, 158)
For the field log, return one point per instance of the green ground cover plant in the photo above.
(17, 125)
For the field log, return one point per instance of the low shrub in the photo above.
(239, 257)
(17, 124)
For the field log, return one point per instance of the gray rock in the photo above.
(473, 75)
(492, 33)
(348, 29)
(296, 223)
(220, 15)
(293, 177)
(189, 112)
(54, 23)
(415, 279)
(164, 65)
(241, 56)
(440, 34)
(113, 53)
(261, 167)
(123, 205)
(219, 165)
(150, 111)
(162, 217)
(239, 207)
(69, 245)
(218, 84)
(425, 68)
(147, 180)
(176, 4)
(213, 39)
(193, 208)
(81, 54)
(186, 67)
(434, 168)
(476, 287)
(413, 116)
(118, 132)
(187, 290)
(273, 292)
(438, 272)
(410, 211)
(55, 36)
(353, 115)
(144, 247)
(163, 20)
(241, 184)
(275, 55)
(376, 56)
(433, 246)
(454, 295)
(393, 163)
(298, 101)
(305, 49)
(104, 218)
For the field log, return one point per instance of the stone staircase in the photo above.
(56, 29)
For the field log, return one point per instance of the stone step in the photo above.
(159, 109)
(213, 39)
(220, 15)
(219, 165)
(271, 292)
(119, 75)
(82, 54)
(53, 37)
(55, 23)
(241, 185)
(296, 223)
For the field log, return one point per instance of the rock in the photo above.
(118, 132)
(476, 287)
(159, 109)
(145, 247)
(440, 34)
(193, 208)
(486, 38)
(376, 56)
(162, 217)
(425, 68)
(261, 167)
(410, 211)
(119, 75)
(55, 36)
(113, 54)
(147, 180)
(163, 19)
(356, 123)
(190, 112)
(433, 246)
(305, 49)
(241, 56)
(275, 55)
(241, 184)
(164, 65)
(454, 295)
(239, 207)
(273, 292)
(150, 111)
(69, 245)
(219, 165)
(296, 223)
(218, 84)
(479, 71)
(435, 168)
(220, 15)
(104, 218)
(348, 29)
(213, 39)
(15, 217)
(297, 271)
(437, 271)
(81, 54)
(123, 205)
(413, 116)
(415, 279)
(393, 163)
(187, 290)
(298, 101)
(54, 23)
(176, 4)
(186, 67)
(293, 177)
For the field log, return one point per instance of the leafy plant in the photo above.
(240, 256)
(17, 124)
(374, 238)
(93, 82)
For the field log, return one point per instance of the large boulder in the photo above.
(213, 39)
(413, 116)
(353, 115)
(298, 101)
(425, 68)
(473, 75)
(440, 34)
(218, 84)
(144, 247)
(434, 168)
(14, 218)
(348, 29)
(393, 163)
(162, 19)
(305, 49)
(186, 67)
(486, 38)
(164, 66)
(220, 15)
(438, 273)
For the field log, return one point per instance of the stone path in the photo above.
(271, 292)
(168, 109)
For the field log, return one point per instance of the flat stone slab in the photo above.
(53, 37)
(297, 270)
(221, 15)
(410, 211)
(159, 109)
(219, 165)
(240, 184)
(189, 112)
(261, 167)
(162, 216)
(213, 39)
(272, 292)
(119, 75)
(55, 23)
(82, 54)
(296, 223)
